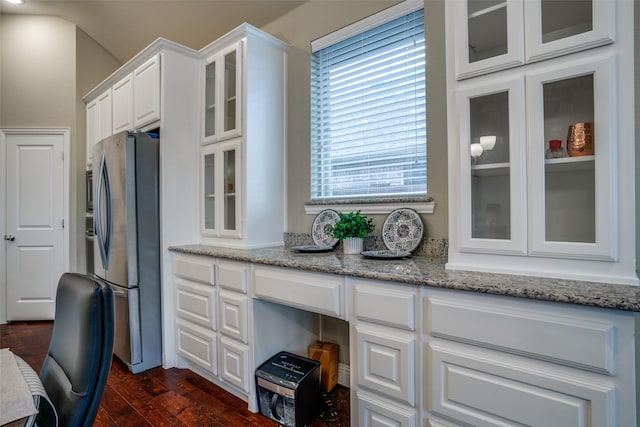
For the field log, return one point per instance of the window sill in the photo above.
(423, 205)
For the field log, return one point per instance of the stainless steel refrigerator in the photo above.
(127, 242)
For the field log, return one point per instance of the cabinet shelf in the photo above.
(491, 169)
(570, 164)
(487, 10)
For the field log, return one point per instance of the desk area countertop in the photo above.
(426, 271)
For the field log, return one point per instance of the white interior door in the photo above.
(36, 211)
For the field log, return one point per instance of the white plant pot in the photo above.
(352, 245)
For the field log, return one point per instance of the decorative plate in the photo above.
(312, 248)
(402, 230)
(386, 254)
(321, 229)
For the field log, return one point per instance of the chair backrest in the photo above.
(77, 364)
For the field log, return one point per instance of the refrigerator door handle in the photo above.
(104, 236)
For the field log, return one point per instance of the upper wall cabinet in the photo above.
(492, 35)
(242, 103)
(540, 155)
(222, 106)
(131, 102)
(146, 92)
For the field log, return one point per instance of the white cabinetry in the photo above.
(130, 103)
(195, 309)
(384, 352)
(490, 35)
(212, 309)
(234, 307)
(519, 204)
(98, 120)
(498, 361)
(123, 104)
(242, 106)
(146, 92)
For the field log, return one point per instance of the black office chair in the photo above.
(75, 370)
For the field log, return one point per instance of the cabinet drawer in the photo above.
(196, 302)
(385, 303)
(234, 363)
(374, 411)
(316, 292)
(234, 276)
(386, 362)
(200, 269)
(483, 387)
(197, 344)
(233, 315)
(570, 335)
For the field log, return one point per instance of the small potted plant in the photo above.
(351, 229)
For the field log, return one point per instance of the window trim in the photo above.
(367, 23)
(426, 206)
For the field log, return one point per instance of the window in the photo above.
(368, 109)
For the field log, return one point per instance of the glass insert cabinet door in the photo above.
(492, 35)
(222, 86)
(572, 196)
(221, 186)
(210, 100)
(491, 156)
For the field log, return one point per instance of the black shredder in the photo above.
(289, 389)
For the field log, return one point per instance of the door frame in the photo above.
(66, 133)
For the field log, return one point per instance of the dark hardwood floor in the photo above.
(158, 397)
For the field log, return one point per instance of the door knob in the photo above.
(9, 237)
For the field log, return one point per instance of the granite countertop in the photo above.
(428, 271)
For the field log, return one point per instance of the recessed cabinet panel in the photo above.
(146, 92)
(377, 302)
(234, 363)
(196, 302)
(570, 156)
(233, 315)
(200, 269)
(234, 276)
(491, 161)
(484, 388)
(374, 411)
(197, 344)
(123, 104)
(386, 362)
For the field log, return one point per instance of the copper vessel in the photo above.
(580, 140)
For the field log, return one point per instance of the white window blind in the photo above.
(368, 113)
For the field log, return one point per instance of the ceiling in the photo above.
(124, 27)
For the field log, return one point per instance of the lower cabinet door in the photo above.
(234, 363)
(483, 387)
(233, 315)
(374, 411)
(197, 344)
(386, 361)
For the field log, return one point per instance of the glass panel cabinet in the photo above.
(222, 91)
(490, 162)
(243, 140)
(500, 34)
(221, 180)
(572, 200)
(541, 155)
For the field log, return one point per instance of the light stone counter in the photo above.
(427, 271)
